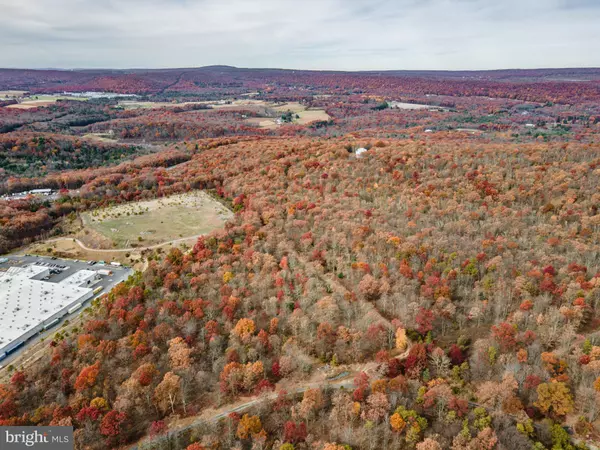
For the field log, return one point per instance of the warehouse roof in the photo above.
(25, 303)
(27, 272)
(78, 278)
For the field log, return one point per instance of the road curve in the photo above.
(121, 250)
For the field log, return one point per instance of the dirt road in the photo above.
(212, 416)
(121, 250)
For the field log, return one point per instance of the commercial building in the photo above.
(83, 278)
(28, 304)
(32, 272)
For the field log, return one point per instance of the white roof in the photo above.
(360, 151)
(27, 272)
(25, 303)
(78, 278)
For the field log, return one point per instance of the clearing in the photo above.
(268, 113)
(153, 222)
(415, 106)
(262, 122)
(110, 234)
(100, 137)
(223, 104)
(134, 104)
(305, 115)
(37, 101)
(8, 95)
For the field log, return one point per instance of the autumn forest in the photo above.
(412, 259)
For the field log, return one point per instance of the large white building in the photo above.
(83, 278)
(28, 304)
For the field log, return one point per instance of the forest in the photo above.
(438, 290)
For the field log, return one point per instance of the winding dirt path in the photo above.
(121, 250)
(212, 415)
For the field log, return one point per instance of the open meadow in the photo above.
(303, 113)
(152, 222)
(6, 95)
(36, 101)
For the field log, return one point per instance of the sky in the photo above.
(300, 34)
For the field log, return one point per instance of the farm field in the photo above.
(100, 137)
(224, 104)
(156, 221)
(312, 115)
(11, 94)
(408, 106)
(43, 100)
(133, 104)
(305, 115)
(262, 122)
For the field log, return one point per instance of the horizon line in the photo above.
(225, 66)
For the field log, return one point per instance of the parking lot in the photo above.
(61, 269)
(64, 268)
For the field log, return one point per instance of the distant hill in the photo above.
(156, 80)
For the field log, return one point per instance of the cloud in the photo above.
(314, 34)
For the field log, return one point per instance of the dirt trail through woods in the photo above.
(345, 379)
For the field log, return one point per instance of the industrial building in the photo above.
(29, 304)
(83, 278)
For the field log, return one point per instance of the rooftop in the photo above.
(26, 272)
(78, 278)
(25, 303)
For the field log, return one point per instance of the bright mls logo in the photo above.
(46, 438)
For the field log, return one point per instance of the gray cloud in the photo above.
(313, 34)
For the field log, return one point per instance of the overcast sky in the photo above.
(304, 34)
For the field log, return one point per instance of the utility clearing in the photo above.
(152, 222)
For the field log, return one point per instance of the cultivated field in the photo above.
(409, 106)
(153, 222)
(11, 94)
(294, 107)
(134, 104)
(43, 100)
(304, 114)
(268, 112)
(312, 115)
(262, 122)
(100, 137)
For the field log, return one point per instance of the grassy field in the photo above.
(305, 115)
(153, 222)
(294, 107)
(262, 122)
(4, 95)
(133, 104)
(409, 106)
(100, 137)
(43, 100)
(268, 112)
(312, 115)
